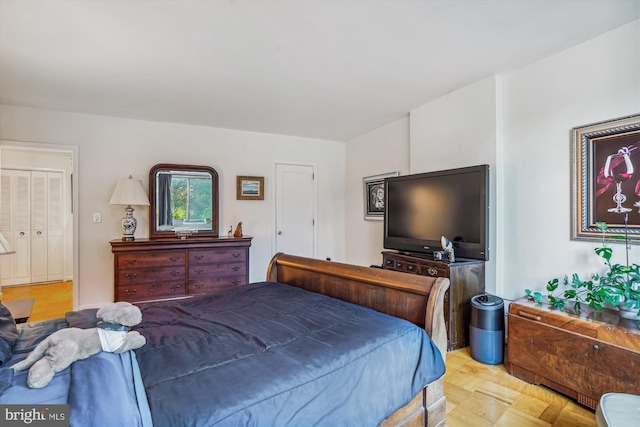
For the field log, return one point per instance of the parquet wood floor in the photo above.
(481, 395)
(52, 300)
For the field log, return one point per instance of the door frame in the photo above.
(274, 225)
(73, 150)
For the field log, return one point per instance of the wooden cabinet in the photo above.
(466, 278)
(163, 269)
(581, 354)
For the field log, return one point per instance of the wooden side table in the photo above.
(20, 309)
(581, 354)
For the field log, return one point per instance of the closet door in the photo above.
(55, 226)
(46, 227)
(31, 218)
(16, 227)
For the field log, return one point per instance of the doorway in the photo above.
(47, 242)
(295, 209)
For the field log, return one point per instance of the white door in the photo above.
(16, 225)
(295, 209)
(32, 221)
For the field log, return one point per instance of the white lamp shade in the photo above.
(128, 192)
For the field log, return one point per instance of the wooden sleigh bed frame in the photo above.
(418, 299)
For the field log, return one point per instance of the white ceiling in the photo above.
(321, 69)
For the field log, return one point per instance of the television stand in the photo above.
(466, 278)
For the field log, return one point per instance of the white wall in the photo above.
(594, 81)
(520, 124)
(378, 152)
(112, 148)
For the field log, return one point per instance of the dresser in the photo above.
(157, 269)
(466, 277)
(581, 354)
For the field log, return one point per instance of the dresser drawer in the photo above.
(208, 270)
(147, 291)
(151, 259)
(432, 270)
(142, 275)
(207, 284)
(216, 256)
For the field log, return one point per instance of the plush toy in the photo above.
(63, 347)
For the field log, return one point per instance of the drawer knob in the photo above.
(236, 282)
(174, 258)
(174, 287)
(199, 257)
(432, 271)
(130, 275)
(236, 255)
(236, 268)
(174, 273)
(130, 261)
(130, 292)
(198, 284)
(595, 347)
(199, 270)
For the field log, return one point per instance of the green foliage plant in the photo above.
(620, 284)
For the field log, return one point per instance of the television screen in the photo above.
(421, 208)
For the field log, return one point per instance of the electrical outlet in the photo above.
(97, 217)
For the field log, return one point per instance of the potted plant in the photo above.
(619, 286)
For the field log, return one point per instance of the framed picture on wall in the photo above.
(250, 188)
(374, 196)
(605, 182)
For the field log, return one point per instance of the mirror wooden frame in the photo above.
(154, 233)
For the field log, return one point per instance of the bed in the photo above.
(309, 346)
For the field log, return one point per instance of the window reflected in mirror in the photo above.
(183, 197)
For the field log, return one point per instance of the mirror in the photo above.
(183, 196)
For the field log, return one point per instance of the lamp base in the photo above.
(129, 224)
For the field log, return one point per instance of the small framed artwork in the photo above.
(374, 196)
(250, 188)
(605, 181)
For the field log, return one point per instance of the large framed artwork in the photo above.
(374, 196)
(605, 182)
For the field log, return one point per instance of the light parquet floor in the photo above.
(52, 300)
(481, 395)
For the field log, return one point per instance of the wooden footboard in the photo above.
(418, 299)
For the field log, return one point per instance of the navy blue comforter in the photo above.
(272, 354)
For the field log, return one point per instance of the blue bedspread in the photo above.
(275, 355)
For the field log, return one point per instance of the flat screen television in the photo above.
(421, 208)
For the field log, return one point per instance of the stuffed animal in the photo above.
(63, 347)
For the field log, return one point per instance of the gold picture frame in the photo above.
(250, 188)
(605, 179)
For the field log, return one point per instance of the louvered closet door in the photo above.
(55, 226)
(16, 227)
(32, 221)
(46, 227)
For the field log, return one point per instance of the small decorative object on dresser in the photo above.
(238, 232)
(129, 192)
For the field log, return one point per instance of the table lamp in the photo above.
(129, 192)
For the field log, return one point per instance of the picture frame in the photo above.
(250, 188)
(374, 195)
(605, 179)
